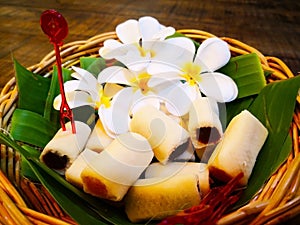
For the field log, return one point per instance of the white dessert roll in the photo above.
(110, 174)
(98, 139)
(181, 168)
(73, 173)
(238, 150)
(204, 125)
(157, 198)
(65, 146)
(162, 132)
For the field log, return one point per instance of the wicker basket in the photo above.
(25, 202)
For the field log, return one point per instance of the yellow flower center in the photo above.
(141, 82)
(103, 100)
(191, 73)
(144, 52)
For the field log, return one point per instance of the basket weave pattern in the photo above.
(24, 202)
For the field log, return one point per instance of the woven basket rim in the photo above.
(72, 51)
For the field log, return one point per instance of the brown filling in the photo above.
(207, 135)
(219, 174)
(55, 161)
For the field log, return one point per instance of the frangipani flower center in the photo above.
(141, 82)
(144, 52)
(191, 73)
(103, 100)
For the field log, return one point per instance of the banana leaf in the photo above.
(93, 65)
(33, 89)
(274, 107)
(247, 73)
(31, 128)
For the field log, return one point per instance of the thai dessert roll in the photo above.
(98, 139)
(157, 198)
(181, 168)
(110, 174)
(73, 173)
(204, 124)
(238, 149)
(65, 146)
(162, 132)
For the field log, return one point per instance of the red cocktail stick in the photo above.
(55, 27)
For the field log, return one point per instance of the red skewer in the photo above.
(55, 27)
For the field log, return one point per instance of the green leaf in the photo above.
(31, 128)
(274, 107)
(247, 72)
(49, 112)
(26, 170)
(33, 89)
(93, 65)
(235, 107)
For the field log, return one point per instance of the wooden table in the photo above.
(273, 27)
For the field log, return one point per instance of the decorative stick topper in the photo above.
(55, 27)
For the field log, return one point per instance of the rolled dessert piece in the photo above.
(181, 168)
(157, 198)
(238, 149)
(162, 132)
(98, 139)
(73, 173)
(204, 124)
(65, 146)
(110, 174)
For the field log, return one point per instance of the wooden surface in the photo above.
(273, 27)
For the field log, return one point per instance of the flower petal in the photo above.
(74, 99)
(173, 51)
(180, 99)
(128, 32)
(109, 46)
(85, 75)
(218, 86)
(111, 89)
(115, 119)
(113, 74)
(134, 60)
(163, 33)
(213, 53)
(78, 85)
(148, 26)
(139, 100)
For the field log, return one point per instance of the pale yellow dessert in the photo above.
(238, 150)
(204, 125)
(98, 139)
(162, 132)
(73, 173)
(156, 198)
(110, 174)
(65, 146)
(181, 168)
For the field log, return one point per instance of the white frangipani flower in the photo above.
(86, 90)
(197, 70)
(140, 88)
(137, 41)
